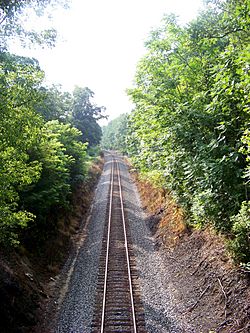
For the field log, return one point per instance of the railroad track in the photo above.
(118, 307)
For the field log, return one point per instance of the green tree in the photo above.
(85, 115)
(62, 157)
(40, 160)
(20, 79)
(192, 107)
(55, 104)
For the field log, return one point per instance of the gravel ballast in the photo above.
(159, 313)
(78, 296)
(76, 310)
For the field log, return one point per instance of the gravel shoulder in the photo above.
(159, 311)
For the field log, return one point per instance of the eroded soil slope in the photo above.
(209, 291)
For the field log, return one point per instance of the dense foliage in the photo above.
(42, 155)
(191, 120)
(115, 134)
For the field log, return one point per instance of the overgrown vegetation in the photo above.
(191, 120)
(45, 135)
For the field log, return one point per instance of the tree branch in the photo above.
(199, 298)
(226, 33)
(225, 296)
(5, 15)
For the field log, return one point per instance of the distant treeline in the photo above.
(115, 134)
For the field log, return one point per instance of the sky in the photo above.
(100, 43)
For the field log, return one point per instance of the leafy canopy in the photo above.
(192, 112)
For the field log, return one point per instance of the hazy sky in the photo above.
(100, 43)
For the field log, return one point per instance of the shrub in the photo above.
(240, 245)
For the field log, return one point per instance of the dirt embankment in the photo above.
(209, 291)
(27, 273)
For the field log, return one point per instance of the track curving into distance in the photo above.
(118, 307)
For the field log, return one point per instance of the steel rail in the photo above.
(107, 250)
(126, 248)
(125, 245)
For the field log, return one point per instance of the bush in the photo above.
(62, 156)
(240, 245)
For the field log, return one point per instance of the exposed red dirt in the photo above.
(208, 290)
